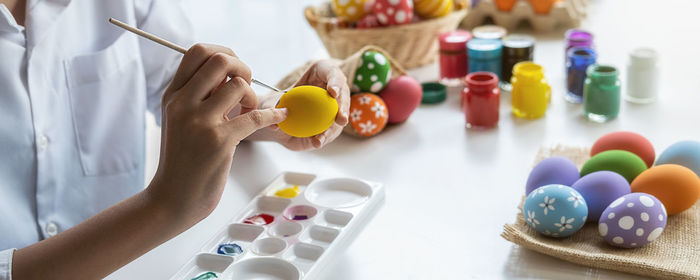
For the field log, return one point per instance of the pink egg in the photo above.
(369, 21)
(393, 12)
(402, 96)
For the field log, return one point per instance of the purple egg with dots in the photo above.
(553, 170)
(633, 220)
(599, 189)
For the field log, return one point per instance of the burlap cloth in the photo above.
(674, 255)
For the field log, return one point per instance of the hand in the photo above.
(198, 137)
(321, 74)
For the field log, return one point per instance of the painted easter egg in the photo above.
(373, 73)
(368, 114)
(552, 170)
(393, 12)
(676, 186)
(433, 8)
(350, 10)
(369, 21)
(624, 163)
(402, 96)
(311, 110)
(626, 141)
(599, 189)
(685, 153)
(632, 221)
(555, 210)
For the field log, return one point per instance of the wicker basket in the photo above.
(412, 45)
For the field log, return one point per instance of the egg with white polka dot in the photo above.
(555, 210)
(633, 220)
(373, 73)
(393, 12)
(351, 10)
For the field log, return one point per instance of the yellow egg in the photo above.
(311, 110)
(351, 10)
(433, 8)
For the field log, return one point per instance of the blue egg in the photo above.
(555, 210)
(684, 153)
(552, 170)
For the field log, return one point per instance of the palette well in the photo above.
(291, 230)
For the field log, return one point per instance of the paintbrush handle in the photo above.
(169, 44)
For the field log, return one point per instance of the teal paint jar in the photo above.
(601, 93)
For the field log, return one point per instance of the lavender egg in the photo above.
(599, 189)
(553, 170)
(633, 220)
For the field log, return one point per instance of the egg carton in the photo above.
(566, 13)
(278, 236)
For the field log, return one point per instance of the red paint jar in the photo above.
(453, 56)
(481, 100)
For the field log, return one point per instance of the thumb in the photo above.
(245, 124)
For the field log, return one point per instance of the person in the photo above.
(73, 92)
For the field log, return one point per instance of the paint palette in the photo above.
(290, 231)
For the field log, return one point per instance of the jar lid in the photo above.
(644, 57)
(484, 48)
(454, 40)
(489, 32)
(520, 45)
(433, 93)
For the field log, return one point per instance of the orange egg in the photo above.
(368, 114)
(677, 187)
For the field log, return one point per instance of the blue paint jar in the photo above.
(485, 55)
(578, 60)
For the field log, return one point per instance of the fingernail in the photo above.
(336, 90)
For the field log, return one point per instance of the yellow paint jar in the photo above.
(531, 92)
(310, 111)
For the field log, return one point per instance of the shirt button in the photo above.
(43, 142)
(51, 229)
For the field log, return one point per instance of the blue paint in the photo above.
(230, 249)
(579, 58)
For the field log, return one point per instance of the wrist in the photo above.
(162, 202)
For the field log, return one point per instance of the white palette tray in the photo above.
(306, 232)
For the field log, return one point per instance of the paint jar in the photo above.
(531, 92)
(484, 55)
(481, 100)
(577, 38)
(489, 32)
(453, 56)
(579, 60)
(601, 93)
(516, 48)
(642, 76)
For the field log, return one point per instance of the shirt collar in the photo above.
(7, 21)
(40, 19)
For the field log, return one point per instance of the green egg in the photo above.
(624, 163)
(373, 73)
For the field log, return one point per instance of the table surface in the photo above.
(449, 190)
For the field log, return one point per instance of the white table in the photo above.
(449, 190)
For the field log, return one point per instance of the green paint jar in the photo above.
(601, 93)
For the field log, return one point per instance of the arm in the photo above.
(197, 145)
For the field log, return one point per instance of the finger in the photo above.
(341, 118)
(216, 68)
(334, 81)
(229, 95)
(245, 124)
(193, 59)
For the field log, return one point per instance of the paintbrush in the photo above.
(172, 46)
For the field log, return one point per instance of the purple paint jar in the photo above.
(577, 38)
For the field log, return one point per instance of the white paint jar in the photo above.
(642, 76)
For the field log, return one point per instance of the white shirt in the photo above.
(74, 90)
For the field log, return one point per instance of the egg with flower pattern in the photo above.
(368, 114)
(555, 210)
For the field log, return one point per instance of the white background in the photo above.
(449, 190)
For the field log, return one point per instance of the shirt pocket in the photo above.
(107, 98)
